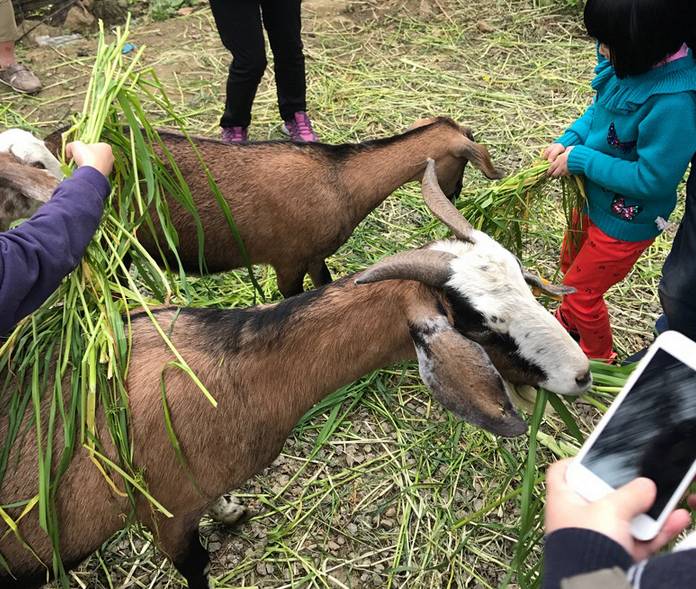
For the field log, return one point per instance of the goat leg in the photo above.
(179, 539)
(290, 280)
(320, 273)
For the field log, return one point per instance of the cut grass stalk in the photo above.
(74, 356)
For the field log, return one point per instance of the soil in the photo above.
(381, 467)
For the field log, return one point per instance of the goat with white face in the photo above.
(490, 300)
(267, 366)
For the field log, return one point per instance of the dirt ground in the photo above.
(399, 494)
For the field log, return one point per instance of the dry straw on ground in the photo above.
(378, 487)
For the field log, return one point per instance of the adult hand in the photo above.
(97, 155)
(612, 515)
(559, 166)
(553, 151)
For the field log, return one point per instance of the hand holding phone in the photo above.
(649, 431)
(612, 515)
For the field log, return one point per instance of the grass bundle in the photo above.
(82, 333)
(501, 208)
(608, 380)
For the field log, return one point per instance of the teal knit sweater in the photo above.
(633, 146)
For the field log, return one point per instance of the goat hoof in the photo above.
(227, 511)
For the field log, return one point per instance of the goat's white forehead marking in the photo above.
(490, 279)
(485, 272)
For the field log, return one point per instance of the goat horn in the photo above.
(430, 267)
(555, 291)
(441, 207)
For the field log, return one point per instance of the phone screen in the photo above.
(652, 433)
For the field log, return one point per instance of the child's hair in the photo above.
(641, 33)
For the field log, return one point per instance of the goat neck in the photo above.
(266, 367)
(372, 173)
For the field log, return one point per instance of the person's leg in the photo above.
(15, 75)
(8, 34)
(601, 262)
(573, 240)
(678, 284)
(282, 19)
(239, 25)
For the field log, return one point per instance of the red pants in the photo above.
(592, 265)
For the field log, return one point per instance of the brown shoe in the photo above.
(20, 78)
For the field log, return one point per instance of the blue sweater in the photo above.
(38, 254)
(633, 146)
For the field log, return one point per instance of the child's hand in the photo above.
(96, 155)
(559, 166)
(553, 151)
(610, 516)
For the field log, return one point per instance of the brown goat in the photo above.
(268, 365)
(296, 204)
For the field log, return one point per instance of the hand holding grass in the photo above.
(559, 165)
(612, 515)
(553, 151)
(97, 155)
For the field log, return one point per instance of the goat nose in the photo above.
(584, 378)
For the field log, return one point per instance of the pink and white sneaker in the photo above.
(299, 128)
(235, 135)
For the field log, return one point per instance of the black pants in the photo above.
(239, 23)
(678, 284)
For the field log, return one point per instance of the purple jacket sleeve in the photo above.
(38, 254)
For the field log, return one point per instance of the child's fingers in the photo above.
(74, 149)
(552, 152)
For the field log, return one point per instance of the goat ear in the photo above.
(430, 267)
(421, 123)
(463, 379)
(539, 285)
(478, 155)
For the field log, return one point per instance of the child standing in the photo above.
(632, 145)
(240, 24)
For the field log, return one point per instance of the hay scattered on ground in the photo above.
(379, 487)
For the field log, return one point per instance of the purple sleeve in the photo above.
(38, 254)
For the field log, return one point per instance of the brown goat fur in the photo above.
(296, 204)
(266, 367)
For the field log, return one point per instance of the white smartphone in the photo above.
(649, 431)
